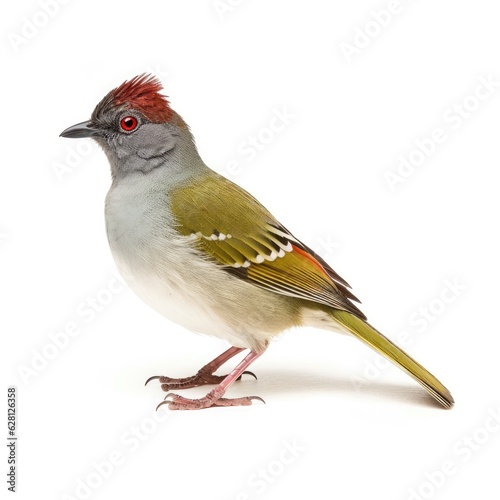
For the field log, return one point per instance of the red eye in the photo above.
(128, 123)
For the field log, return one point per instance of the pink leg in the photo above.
(204, 376)
(214, 397)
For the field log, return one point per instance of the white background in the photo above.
(431, 243)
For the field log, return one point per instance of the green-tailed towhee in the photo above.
(206, 254)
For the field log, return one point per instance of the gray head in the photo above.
(137, 129)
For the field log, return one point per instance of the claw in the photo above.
(157, 377)
(169, 394)
(162, 403)
(249, 373)
(258, 398)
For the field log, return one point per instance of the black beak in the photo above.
(84, 129)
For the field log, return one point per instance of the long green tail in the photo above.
(367, 334)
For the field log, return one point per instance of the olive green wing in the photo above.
(238, 233)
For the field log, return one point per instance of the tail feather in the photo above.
(367, 334)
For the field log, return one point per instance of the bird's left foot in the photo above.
(204, 376)
(201, 378)
(176, 402)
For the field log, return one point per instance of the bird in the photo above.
(207, 255)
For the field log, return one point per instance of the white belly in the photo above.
(159, 267)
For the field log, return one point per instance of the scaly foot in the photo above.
(177, 402)
(201, 378)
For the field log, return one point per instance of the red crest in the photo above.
(143, 94)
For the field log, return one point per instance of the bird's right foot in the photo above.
(176, 402)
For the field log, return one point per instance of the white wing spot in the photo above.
(212, 237)
(281, 233)
(271, 257)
